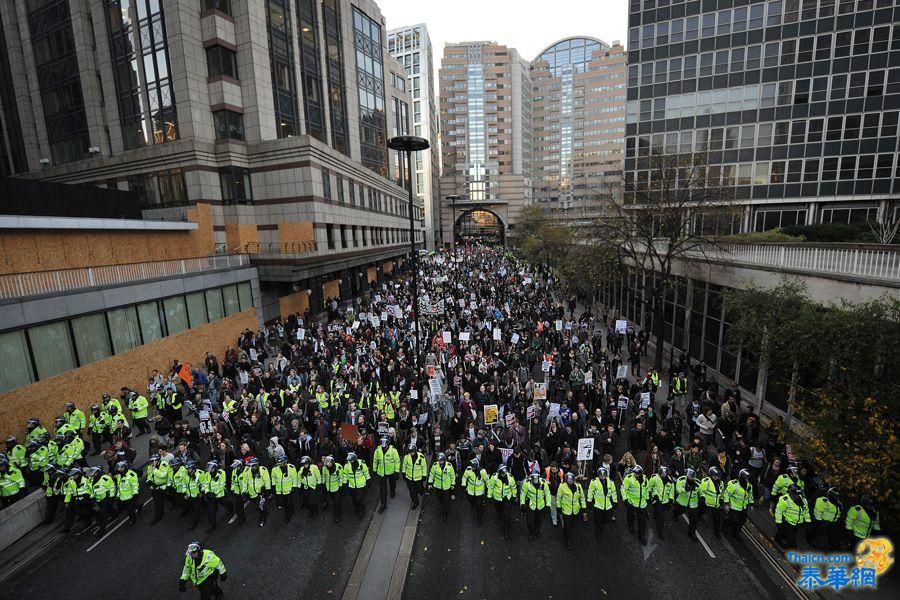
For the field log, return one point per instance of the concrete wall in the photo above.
(27, 250)
(45, 399)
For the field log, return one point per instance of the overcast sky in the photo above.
(527, 25)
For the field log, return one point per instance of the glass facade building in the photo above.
(370, 86)
(795, 103)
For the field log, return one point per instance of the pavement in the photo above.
(305, 558)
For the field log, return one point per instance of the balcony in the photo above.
(857, 261)
(22, 285)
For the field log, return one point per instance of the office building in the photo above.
(276, 113)
(412, 47)
(579, 126)
(795, 103)
(485, 107)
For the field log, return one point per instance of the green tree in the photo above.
(848, 352)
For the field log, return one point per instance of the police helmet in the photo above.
(690, 473)
(603, 472)
(638, 470)
(122, 466)
(474, 463)
(194, 548)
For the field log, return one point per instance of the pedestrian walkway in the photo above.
(381, 566)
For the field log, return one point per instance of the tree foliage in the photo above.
(849, 352)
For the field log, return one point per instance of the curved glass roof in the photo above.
(575, 52)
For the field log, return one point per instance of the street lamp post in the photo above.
(453, 198)
(410, 144)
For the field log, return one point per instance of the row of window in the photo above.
(763, 135)
(361, 195)
(772, 218)
(809, 170)
(42, 351)
(869, 84)
(778, 11)
(361, 236)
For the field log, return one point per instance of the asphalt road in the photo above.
(305, 558)
(459, 559)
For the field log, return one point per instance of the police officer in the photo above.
(194, 495)
(99, 426)
(236, 490)
(474, 482)
(826, 519)
(256, 486)
(711, 492)
(356, 474)
(785, 480)
(791, 512)
(212, 487)
(442, 479)
(738, 500)
(415, 470)
(103, 493)
(127, 488)
(75, 418)
(687, 500)
(332, 482)
(309, 480)
(54, 479)
(15, 453)
(862, 519)
(12, 484)
(139, 407)
(284, 480)
(570, 500)
(203, 569)
(158, 476)
(502, 490)
(603, 497)
(34, 429)
(636, 492)
(662, 492)
(386, 464)
(534, 497)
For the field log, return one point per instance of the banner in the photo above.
(585, 449)
(431, 307)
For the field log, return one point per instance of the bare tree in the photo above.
(885, 230)
(660, 221)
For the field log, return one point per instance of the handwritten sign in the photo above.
(491, 411)
(585, 449)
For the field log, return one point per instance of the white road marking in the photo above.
(702, 541)
(108, 533)
(234, 516)
(6, 574)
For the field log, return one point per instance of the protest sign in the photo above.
(529, 412)
(645, 399)
(623, 403)
(497, 334)
(505, 453)
(621, 326)
(545, 366)
(554, 409)
(301, 334)
(540, 391)
(490, 414)
(464, 336)
(622, 372)
(559, 325)
(383, 427)
(585, 449)
(447, 337)
(510, 419)
(588, 377)
(434, 389)
(515, 339)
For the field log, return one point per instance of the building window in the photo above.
(160, 102)
(235, 184)
(124, 328)
(57, 74)
(172, 188)
(17, 370)
(310, 74)
(229, 125)
(281, 58)
(326, 185)
(221, 62)
(335, 64)
(370, 86)
(91, 338)
(127, 79)
(343, 236)
(339, 182)
(219, 5)
(329, 235)
(52, 348)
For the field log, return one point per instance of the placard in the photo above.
(491, 411)
(540, 391)
(384, 315)
(527, 280)
(464, 336)
(505, 453)
(622, 372)
(423, 418)
(434, 390)
(349, 433)
(554, 409)
(623, 403)
(589, 376)
(355, 325)
(621, 326)
(559, 325)
(414, 394)
(383, 427)
(510, 419)
(301, 334)
(515, 339)
(447, 337)
(529, 412)
(375, 321)
(497, 334)
(585, 449)
(645, 399)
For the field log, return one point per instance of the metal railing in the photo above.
(871, 262)
(20, 285)
(277, 248)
